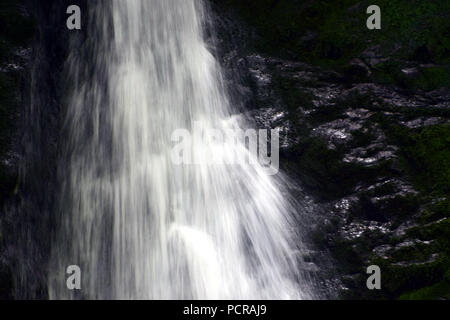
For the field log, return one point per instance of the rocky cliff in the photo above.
(365, 116)
(33, 42)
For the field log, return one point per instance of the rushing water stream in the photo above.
(139, 225)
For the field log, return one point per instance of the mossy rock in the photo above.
(435, 211)
(398, 279)
(339, 32)
(438, 291)
(323, 172)
(425, 155)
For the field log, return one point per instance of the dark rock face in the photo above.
(15, 57)
(350, 140)
(27, 216)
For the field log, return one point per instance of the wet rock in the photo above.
(357, 71)
(432, 259)
(424, 121)
(411, 72)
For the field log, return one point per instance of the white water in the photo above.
(139, 226)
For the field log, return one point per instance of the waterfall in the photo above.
(139, 225)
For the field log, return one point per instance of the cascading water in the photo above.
(139, 225)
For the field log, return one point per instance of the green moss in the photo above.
(435, 77)
(349, 254)
(429, 78)
(399, 279)
(427, 158)
(426, 78)
(417, 29)
(436, 211)
(440, 290)
(423, 156)
(415, 23)
(436, 230)
(417, 252)
(434, 282)
(292, 93)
